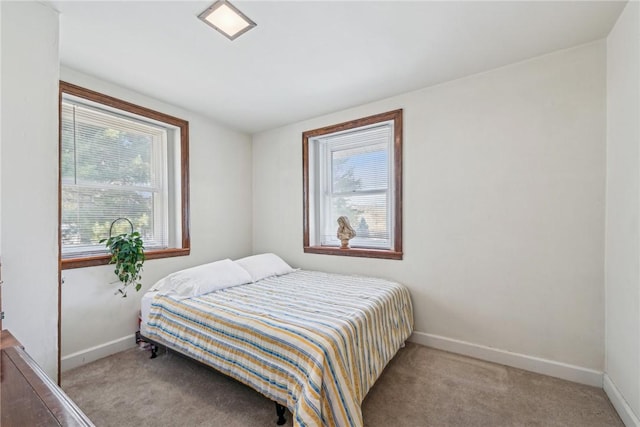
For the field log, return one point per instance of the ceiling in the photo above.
(304, 58)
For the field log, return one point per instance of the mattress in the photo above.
(314, 342)
(145, 309)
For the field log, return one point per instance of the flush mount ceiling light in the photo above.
(227, 19)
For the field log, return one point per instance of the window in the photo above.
(119, 160)
(354, 169)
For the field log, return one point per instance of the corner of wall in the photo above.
(618, 401)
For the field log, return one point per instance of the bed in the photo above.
(312, 342)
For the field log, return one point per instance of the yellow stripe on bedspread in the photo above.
(315, 341)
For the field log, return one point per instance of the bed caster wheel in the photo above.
(280, 412)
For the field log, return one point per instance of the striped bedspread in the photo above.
(314, 342)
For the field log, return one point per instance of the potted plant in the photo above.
(127, 253)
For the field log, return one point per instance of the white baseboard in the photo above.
(629, 418)
(521, 361)
(98, 352)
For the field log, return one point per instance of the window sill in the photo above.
(356, 252)
(91, 261)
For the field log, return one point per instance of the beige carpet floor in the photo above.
(420, 387)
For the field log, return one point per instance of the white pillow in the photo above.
(203, 279)
(264, 265)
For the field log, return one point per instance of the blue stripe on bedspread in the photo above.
(314, 341)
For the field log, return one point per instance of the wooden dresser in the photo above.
(28, 397)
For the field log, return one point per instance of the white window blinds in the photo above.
(112, 165)
(356, 182)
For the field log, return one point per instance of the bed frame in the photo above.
(154, 346)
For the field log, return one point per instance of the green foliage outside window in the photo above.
(106, 174)
(344, 180)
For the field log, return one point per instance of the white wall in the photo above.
(504, 177)
(622, 379)
(29, 149)
(94, 321)
(0, 157)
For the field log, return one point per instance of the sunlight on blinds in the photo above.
(112, 166)
(359, 165)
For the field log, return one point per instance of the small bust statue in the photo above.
(345, 232)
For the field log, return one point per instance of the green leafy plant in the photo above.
(127, 253)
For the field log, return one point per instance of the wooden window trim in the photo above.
(183, 125)
(394, 253)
